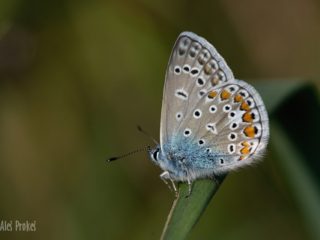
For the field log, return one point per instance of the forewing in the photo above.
(194, 67)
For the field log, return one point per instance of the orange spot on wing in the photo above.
(249, 131)
(245, 144)
(245, 150)
(225, 94)
(212, 94)
(238, 98)
(244, 106)
(247, 117)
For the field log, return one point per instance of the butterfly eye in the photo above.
(155, 155)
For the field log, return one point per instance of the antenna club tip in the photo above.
(112, 159)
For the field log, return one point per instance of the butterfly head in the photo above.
(159, 158)
(154, 154)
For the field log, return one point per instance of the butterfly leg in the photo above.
(165, 176)
(174, 188)
(189, 187)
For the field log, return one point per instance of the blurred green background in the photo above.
(76, 77)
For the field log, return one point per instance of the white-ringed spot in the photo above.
(187, 132)
(182, 94)
(227, 108)
(234, 126)
(197, 113)
(250, 102)
(232, 88)
(177, 70)
(194, 71)
(213, 108)
(232, 114)
(232, 136)
(231, 148)
(243, 93)
(178, 116)
(186, 68)
(201, 142)
(200, 82)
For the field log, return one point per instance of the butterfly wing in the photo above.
(192, 59)
(202, 102)
(233, 126)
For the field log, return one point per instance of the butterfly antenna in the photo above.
(147, 148)
(147, 134)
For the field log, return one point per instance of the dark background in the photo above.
(76, 77)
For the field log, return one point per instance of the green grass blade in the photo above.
(186, 211)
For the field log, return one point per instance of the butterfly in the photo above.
(211, 123)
